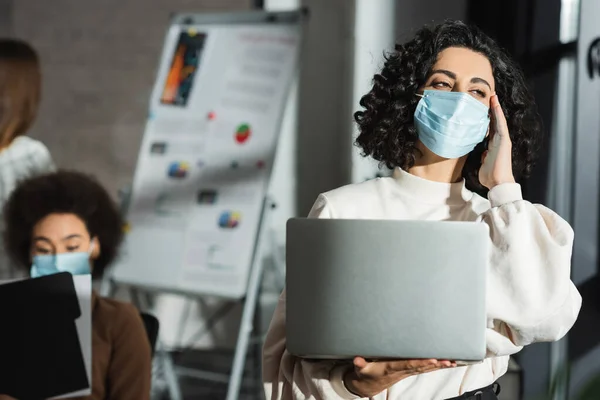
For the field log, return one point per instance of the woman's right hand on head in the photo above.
(368, 379)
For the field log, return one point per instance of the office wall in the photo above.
(5, 17)
(413, 14)
(308, 160)
(368, 47)
(99, 61)
(321, 102)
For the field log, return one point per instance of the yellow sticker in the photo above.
(192, 32)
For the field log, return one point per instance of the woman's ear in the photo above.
(96, 249)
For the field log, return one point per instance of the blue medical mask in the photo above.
(451, 124)
(75, 263)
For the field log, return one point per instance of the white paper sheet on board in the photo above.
(204, 164)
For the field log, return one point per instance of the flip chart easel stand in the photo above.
(249, 331)
(248, 63)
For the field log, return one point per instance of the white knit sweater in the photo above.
(530, 295)
(23, 158)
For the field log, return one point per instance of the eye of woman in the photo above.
(42, 250)
(478, 92)
(441, 85)
(73, 243)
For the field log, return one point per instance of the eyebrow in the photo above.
(452, 75)
(481, 80)
(73, 236)
(45, 239)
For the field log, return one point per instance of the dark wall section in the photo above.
(504, 21)
(6, 7)
(543, 24)
(525, 28)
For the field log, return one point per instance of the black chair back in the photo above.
(152, 325)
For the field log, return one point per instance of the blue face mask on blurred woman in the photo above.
(451, 124)
(75, 263)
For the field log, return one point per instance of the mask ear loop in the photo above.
(420, 95)
(91, 249)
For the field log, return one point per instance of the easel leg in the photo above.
(169, 373)
(257, 350)
(248, 313)
(241, 348)
(165, 359)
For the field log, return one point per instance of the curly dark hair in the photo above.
(386, 128)
(62, 192)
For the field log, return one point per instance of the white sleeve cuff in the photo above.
(504, 194)
(336, 378)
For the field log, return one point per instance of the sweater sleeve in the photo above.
(530, 294)
(42, 162)
(286, 377)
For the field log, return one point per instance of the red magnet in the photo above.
(212, 116)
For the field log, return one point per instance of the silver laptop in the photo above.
(385, 289)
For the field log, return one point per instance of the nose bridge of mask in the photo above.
(456, 97)
(453, 108)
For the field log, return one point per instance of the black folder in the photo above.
(40, 353)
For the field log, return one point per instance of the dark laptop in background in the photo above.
(39, 346)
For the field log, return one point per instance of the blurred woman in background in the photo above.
(67, 222)
(21, 157)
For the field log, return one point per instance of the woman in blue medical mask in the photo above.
(451, 114)
(66, 221)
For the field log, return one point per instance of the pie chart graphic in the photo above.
(178, 169)
(243, 133)
(229, 219)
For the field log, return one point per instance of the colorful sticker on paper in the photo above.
(230, 219)
(178, 169)
(243, 133)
